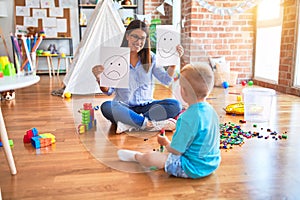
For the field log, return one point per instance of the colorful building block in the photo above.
(29, 134)
(38, 140)
(35, 141)
(87, 118)
(50, 136)
(11, 143)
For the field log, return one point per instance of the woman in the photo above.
(134, 107)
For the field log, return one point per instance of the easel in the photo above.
(5, 46)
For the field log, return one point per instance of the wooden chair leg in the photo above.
(53, 70)
(58, 66)
(49, 66)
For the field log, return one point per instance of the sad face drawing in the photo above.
(115, 67)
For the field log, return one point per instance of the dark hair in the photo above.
(145, 53)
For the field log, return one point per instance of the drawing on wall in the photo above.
(49, 22)
(39, 13)
(56, 12)
(167, 40)
(66, 3)
(47, 4)
(61, 25)
(30, 21)
(50, 31)
(32, 3)
(21, 29)
(22, 11)
(115, 61)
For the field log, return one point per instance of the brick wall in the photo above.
(205, 34)
(150, 7)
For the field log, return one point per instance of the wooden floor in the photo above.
(86, 166)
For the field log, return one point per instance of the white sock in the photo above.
(127, 155)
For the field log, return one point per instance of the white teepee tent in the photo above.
(105, 28)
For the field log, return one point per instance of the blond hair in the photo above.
(199, 77)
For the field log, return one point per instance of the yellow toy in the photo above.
(235, 108)
(68, 95)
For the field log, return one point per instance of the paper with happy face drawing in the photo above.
(115, 61)
(167, 38)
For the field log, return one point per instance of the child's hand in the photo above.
(97, 70)
(163, 140)
(180, 50)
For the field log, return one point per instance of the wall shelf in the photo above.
(87, 6)
(85, 11)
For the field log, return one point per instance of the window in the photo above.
(268, 40)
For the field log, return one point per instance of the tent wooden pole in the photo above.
(5, 46)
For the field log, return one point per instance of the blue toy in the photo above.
(225, 84)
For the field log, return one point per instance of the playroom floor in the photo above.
(86, 167)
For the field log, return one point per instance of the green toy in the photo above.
(9, 70)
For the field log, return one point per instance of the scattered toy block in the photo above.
(81, 128)
(35, 141)
(29, 134)
(50, 136)
(11, 143)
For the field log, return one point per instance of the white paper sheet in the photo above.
(116, 67)
(61, 25)
(50, 31)
(22, 11)
(30, 21)
(47, 4)
(66, 3)
(32, 3)
(21, 30)
(56, 12)
(167, 40)
(39, 13)
(49, 22)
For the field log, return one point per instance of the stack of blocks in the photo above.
(38, 140)
(88, 120)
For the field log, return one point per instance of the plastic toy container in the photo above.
(258, 104)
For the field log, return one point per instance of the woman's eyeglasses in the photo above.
(137, 38)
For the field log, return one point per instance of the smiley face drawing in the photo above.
(167, 44)
(115, 67)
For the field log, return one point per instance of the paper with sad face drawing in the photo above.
(167, 38)
(115, 61)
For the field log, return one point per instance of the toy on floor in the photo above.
(235, 108)
(225, 84)
(88, 120)
(250, 83)
(68, 95)
(38, 140)
(8, 95)
(232, 134)
(11, 143)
